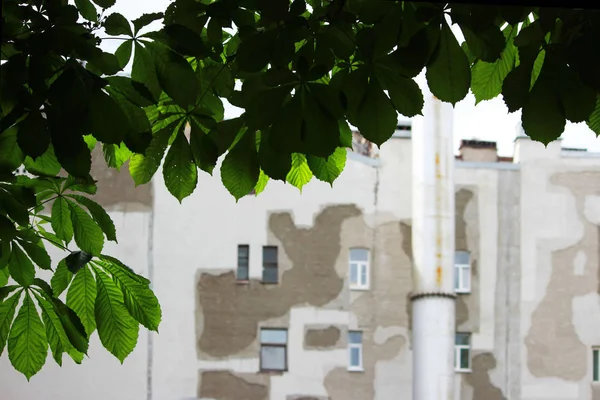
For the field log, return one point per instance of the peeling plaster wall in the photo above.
(534, 309)
(560, 307)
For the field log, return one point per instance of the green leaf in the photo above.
(594, 120)
(486, 44)
(543, 118)
(515, 88)
(179, 171)
(138, 298)
(27, 343)
(115, 156)
(108, 122)
(99, 215)
(320, 131)
(81, 298)
(105, 3)
(123, 53)
(240, 168)
(203, 148)
(74, 329)
(61, 278)
(55, 332)
(117, 330)
(263, 179)
(87, 10)
(116, 24)
(7, 314)
(143, 70)
(328, 169)
(77, 260)
(175, 75)
(345, 134)
(142, 168)
(33, 136)
(7, 229)
(404, 92)
(578, 100)
(11, 156)
(254, 52)
(376, 117)
(448, 74)
(20, 266)
(37, 253)
(300, 174)
(61, 219)
(537, 67)
(487, 78)
(46, 164)
(275, 164)
(88, 235)
(144, 20)
(118, 264)
(5, 251)
(4, 275)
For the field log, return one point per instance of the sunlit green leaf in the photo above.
(27, 343)
(61, 219)
(300, 174)
(88, 235)
(7, 314)
(81, 298)
(118, 331)
(61, 278)
(20, 266)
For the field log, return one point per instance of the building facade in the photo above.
(289, 296)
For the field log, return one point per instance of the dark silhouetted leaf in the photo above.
(240, 169)
(448, 73)
(179, 171)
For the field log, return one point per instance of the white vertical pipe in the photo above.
(433, 253)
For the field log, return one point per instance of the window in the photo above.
(355, 361)
(462, 352)
(243, 262)
(273, 349)
(462, 272)
(596, 366)
(359, 269)
(270, 270)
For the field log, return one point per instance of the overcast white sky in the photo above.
(489, 120)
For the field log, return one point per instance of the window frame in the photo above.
(360, 367)
(459, 284)
(458, 348)
(270, 265)
(596, 365)
(237, 271)
(271, 345)
(360, 265)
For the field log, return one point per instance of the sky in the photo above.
(489, 120)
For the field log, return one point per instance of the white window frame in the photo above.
(269, 344)
(360, 266)
(458, 348)
(359, 346)
(596, 364)
(460, 286)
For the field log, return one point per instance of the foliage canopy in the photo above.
(300, 70)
